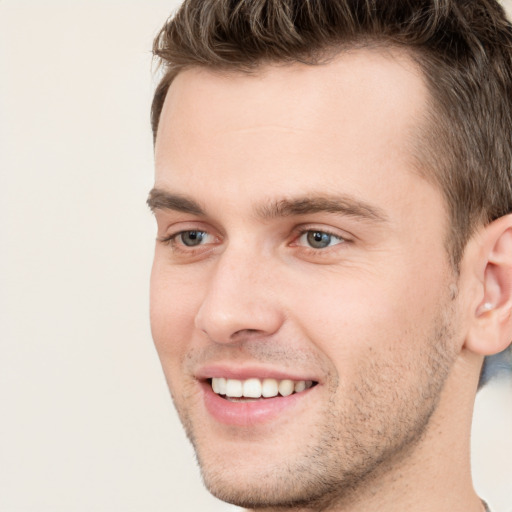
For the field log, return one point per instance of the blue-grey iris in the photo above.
(192, 238)
(319, 239)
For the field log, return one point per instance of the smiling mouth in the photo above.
(236, 390)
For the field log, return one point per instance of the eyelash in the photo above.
(181, 247)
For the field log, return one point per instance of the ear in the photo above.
(490, 331)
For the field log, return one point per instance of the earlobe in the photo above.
(491, 329)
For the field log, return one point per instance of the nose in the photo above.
(240, 299)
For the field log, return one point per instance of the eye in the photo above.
(191, 238)
(319, 239)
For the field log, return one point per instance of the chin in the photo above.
(274, 487)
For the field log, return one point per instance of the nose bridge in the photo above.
(239, 297)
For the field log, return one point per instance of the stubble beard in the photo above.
(380, 422)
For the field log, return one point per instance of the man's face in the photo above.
(298, 242)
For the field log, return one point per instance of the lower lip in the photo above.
(244, 414)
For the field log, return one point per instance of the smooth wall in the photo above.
(86, 421)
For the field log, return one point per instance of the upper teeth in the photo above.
(256, 388)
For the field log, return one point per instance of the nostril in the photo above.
(244, 334)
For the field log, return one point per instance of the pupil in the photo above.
(319, 240)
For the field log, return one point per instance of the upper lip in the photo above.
(244, 372)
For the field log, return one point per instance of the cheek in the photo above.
(349, 317)
(173, 305)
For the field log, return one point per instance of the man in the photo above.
(334, 252)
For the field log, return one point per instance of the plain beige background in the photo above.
(86, 422)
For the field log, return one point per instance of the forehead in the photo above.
(352, 121)
(369, 84)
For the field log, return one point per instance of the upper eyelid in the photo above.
(174, 228)
(337, 232)
(328, 231)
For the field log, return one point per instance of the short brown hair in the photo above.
(464, 48)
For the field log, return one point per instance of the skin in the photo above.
(378, 318)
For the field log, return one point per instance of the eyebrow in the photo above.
(337, 204)
(161, 200)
